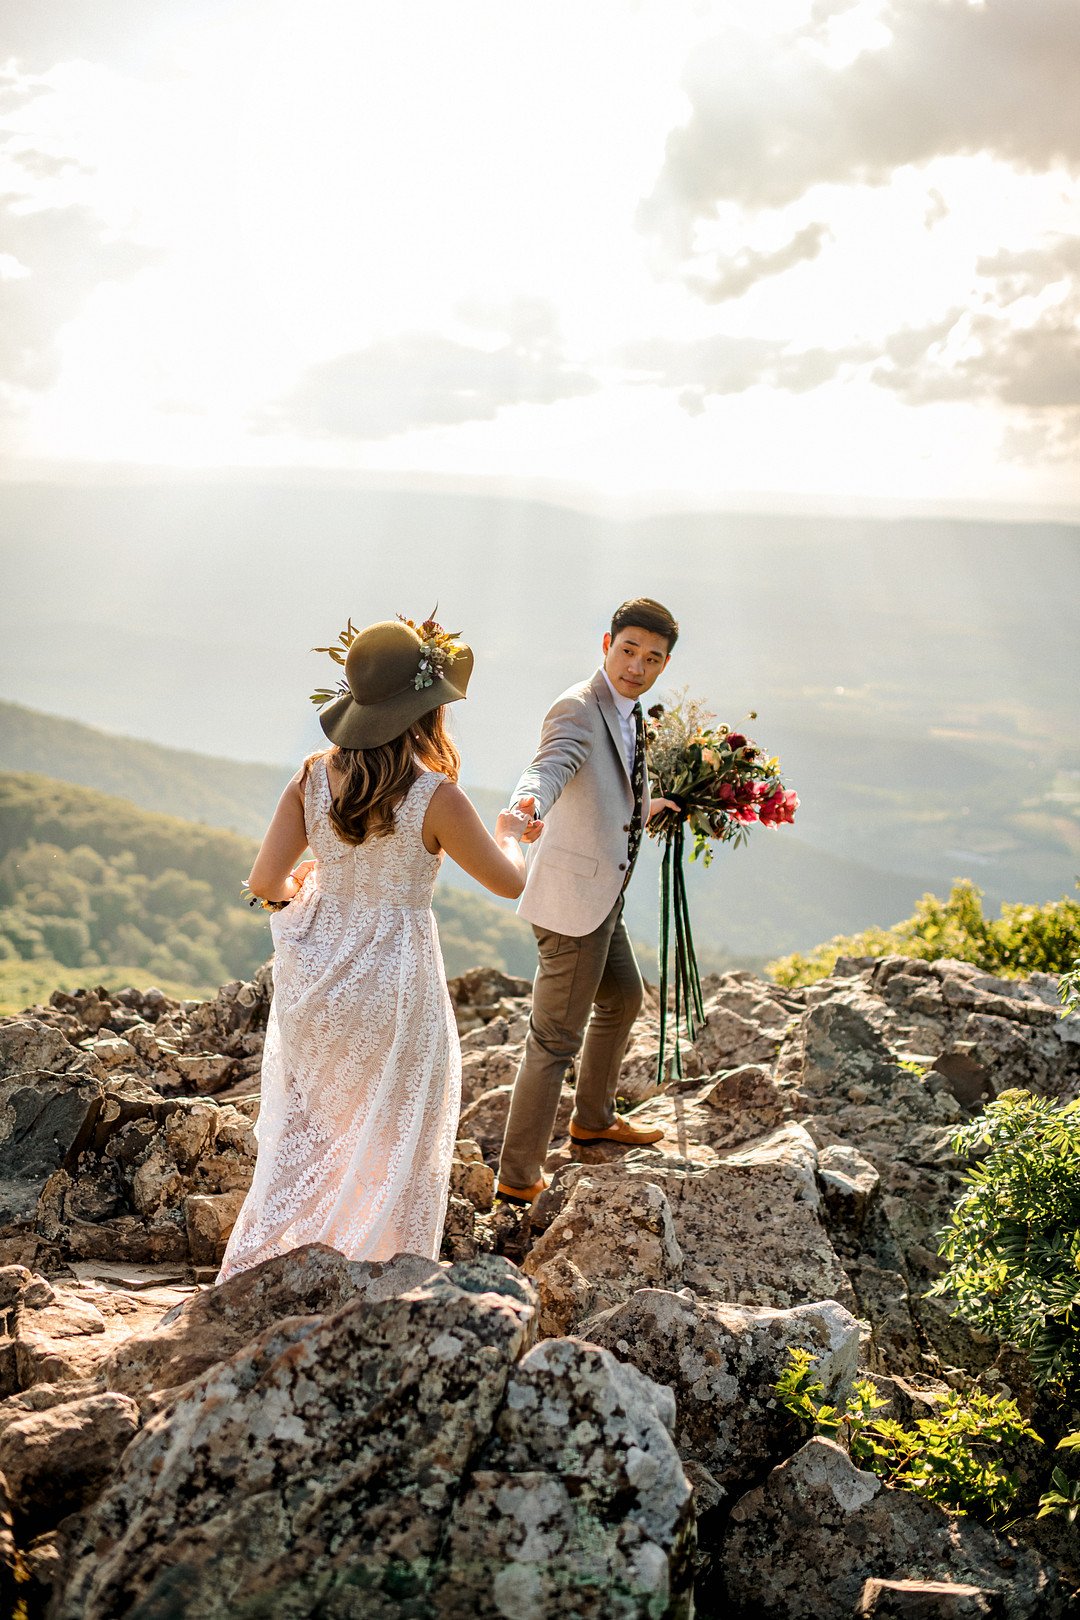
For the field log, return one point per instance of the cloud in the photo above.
(1028, 272)
(737, 275)
(55, 248)
(937, 208)
(45, 165)
(425, 379)
(1035, 366)
(768, 123)
(701, 368)
(55, 257)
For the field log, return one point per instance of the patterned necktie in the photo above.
(637, 782)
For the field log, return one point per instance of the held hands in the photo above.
(520, 823)
(300, 873)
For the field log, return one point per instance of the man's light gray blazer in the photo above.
(581, 783)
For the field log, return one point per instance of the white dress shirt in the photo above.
(625, 706)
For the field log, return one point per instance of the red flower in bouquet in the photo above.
(720, 779)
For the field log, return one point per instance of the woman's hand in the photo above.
(533, 828)
(301, 872)
(509, 825)
(658, 805)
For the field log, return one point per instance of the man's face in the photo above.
(634, 659)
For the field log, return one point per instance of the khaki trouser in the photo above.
(594, 973)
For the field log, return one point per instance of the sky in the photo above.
(796, 253)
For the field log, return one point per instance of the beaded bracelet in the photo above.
(257, 900)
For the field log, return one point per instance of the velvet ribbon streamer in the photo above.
(689, 1011)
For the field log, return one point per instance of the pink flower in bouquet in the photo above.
(779, 807)
(726, 794)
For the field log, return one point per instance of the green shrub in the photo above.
(1013, 1241)
(1023, 939)
(1069, 988)
(1063, 1497)
(953, 1457)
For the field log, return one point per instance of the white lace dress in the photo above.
(361, 1073)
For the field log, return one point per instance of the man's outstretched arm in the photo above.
(565, 741)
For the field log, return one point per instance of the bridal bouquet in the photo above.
(722, 783)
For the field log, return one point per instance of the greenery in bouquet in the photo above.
(720, 783)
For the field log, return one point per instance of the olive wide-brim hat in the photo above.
(386, 692)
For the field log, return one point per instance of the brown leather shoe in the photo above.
(520, 1195)
(621, 1130)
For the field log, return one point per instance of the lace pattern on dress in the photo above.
(361, 1073)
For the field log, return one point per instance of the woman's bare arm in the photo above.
(452, 824)
(283, 844)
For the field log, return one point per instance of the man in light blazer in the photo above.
(590, 788)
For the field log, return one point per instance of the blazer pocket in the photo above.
(567, 861)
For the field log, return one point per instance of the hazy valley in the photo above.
(917, 677)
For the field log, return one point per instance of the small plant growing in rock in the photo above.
(1063, 1497)
(952, 1458)
(1013, 1241)
(918, 1069)
(1069, 990)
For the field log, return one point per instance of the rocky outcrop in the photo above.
(335, 1437)
(745, 1228)
(394, 1454)
(722, 1363)
(805, 1543)
(59, 1334)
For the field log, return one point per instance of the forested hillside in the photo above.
(197, 787)
(89, 882)
(778, 895)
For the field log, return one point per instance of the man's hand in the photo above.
(664, 804)
(533, 828)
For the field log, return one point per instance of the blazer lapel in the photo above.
(611, 718)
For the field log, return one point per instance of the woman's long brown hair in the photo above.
(375, 780)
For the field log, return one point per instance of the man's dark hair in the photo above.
(646, 615)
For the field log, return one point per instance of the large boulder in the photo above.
(390, 1457)
(581, 1506)
(802, 1545)
(746, 1228)
(216, 1322)
(614, 1235)
(56, 1460)
(722, 1362)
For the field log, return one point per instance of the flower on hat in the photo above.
(438, 647)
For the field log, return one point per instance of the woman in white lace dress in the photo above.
(361, 1073)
